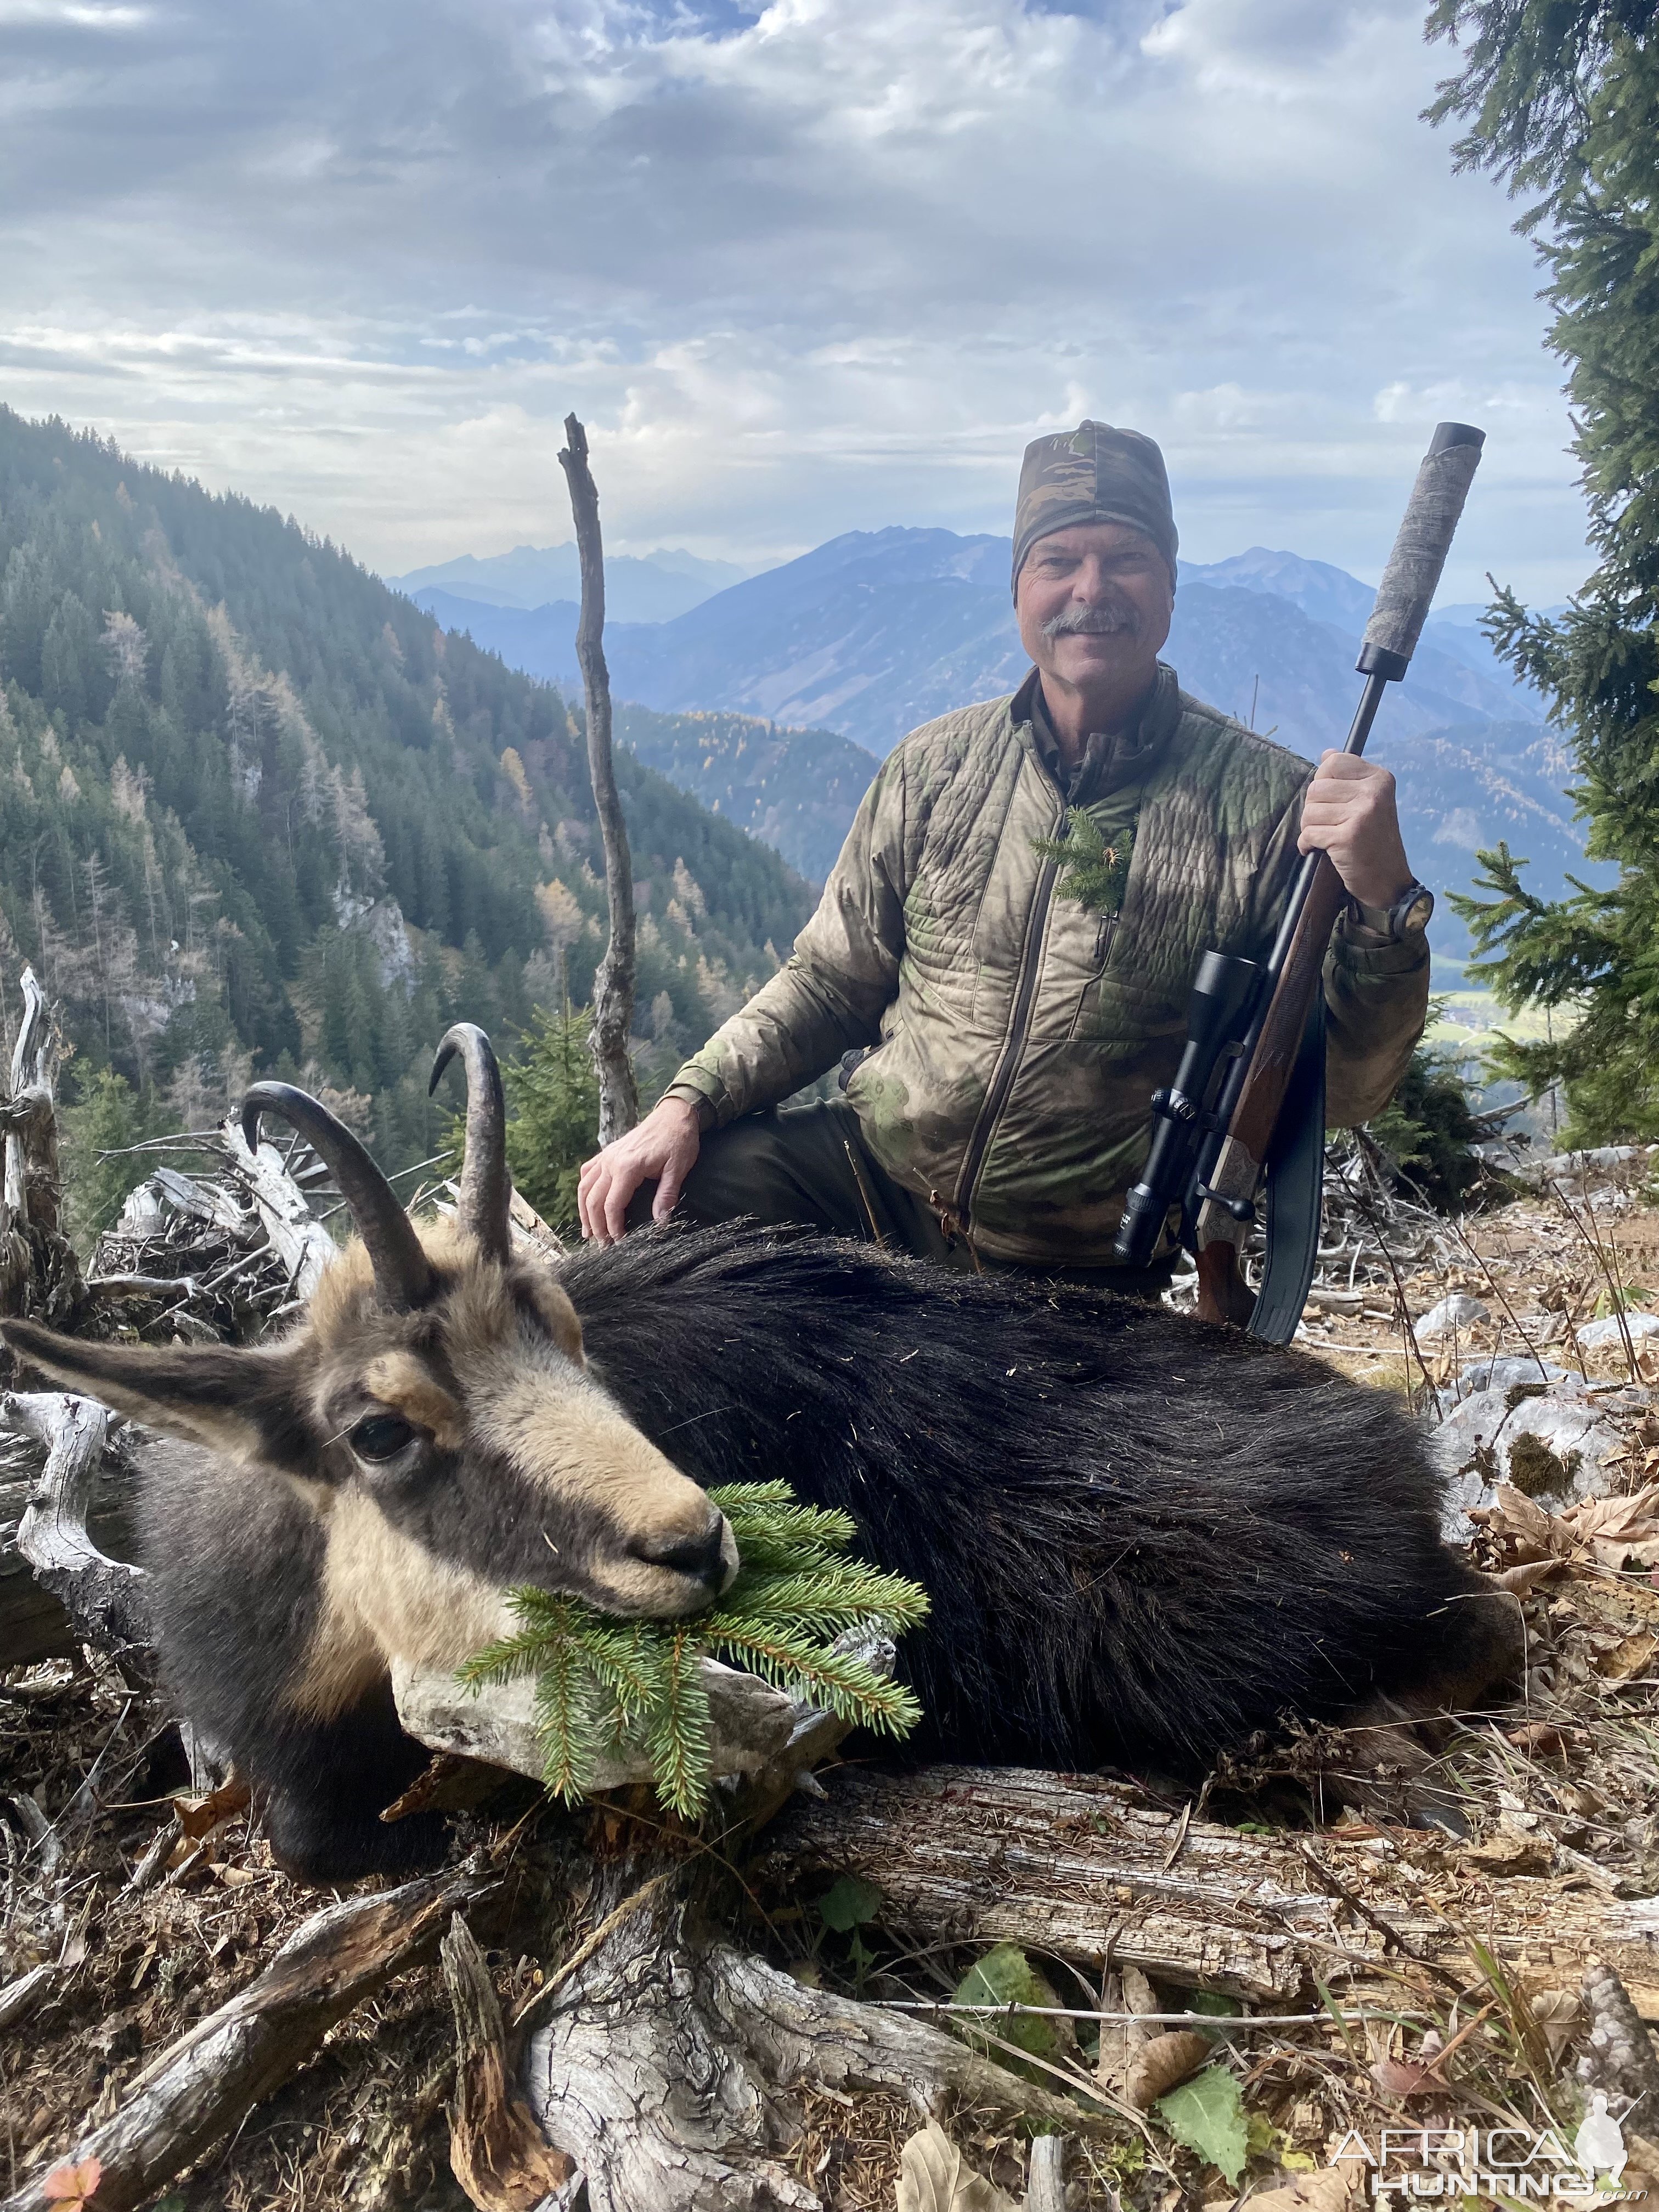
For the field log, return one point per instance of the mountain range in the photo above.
(646, 587)
(804, 675)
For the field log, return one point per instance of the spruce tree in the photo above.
(1561, 97)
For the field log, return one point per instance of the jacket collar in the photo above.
(1106, 760)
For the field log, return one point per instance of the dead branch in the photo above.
(103, 1597)
(306, 1249)
(496, 2151)
(39, 1273)
(199, 2090)
(1079, 1866)
(613, 985)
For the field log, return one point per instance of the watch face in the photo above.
(1416, 910)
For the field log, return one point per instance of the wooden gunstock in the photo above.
(1223, 1294)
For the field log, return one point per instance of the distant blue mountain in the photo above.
(879, 630)
(646, 587)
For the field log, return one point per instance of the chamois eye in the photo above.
(379, 1437)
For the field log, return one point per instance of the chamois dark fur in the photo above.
(1144, 1537)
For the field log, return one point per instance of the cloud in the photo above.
(813, 266)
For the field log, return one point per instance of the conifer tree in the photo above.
(1561, 97)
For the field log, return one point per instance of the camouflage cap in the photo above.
(1093, 474)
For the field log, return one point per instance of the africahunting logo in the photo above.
(1517, 2163)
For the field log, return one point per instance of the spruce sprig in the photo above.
(602, 1684)
(1093, 873)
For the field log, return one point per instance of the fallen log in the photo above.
(1085, 1868)
(671, 2064)
(199, 2090)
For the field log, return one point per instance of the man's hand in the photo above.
(1349, 812)
(665, 1145)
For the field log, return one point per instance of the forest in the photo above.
(259, 814)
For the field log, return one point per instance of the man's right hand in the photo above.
(665, 1146)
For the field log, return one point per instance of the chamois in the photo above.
(1144, 1538)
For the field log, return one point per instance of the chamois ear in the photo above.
(214, 1394)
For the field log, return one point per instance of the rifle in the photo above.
(1248, 1102)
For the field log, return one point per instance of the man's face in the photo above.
(1093, 604)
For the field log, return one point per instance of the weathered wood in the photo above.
(199, 2088)
(496, 2151)
(1077, 1865)
(763, 1745)
(306, 1250)
(104, 1598)
(670, 2065)
(1045, 2175)
(749, 1723)
(39, 1273)
(34, 1625)
(613, 983)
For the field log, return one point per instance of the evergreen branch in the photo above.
(676, 1735)
(774, 1530)
(548, 1621)
(604, 1683)
(841, 1594)
(1093, 873)
(838, 1681)
(565, 1725)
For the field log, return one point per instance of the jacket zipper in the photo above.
(1007, 1066)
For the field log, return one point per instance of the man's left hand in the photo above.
(1349, 812)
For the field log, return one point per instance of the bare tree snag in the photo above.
(103, 1597)
(670, 2065)
(39, 1274)
(1084, 1868)
(199, 2090)
(613, 985)
(306, 1249)
(496, 2151)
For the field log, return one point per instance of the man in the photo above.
(1007, 940)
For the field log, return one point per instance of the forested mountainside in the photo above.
(257, 812)
(799, 789)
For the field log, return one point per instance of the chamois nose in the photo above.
(709, 1557)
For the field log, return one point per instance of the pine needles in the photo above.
(604, 1686)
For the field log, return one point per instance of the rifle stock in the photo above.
(1222, 1228)
(1210, 1159)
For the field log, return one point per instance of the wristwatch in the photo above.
(1411, 910)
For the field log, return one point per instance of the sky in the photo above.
(819, 266)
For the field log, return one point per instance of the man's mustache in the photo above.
(1118, 618)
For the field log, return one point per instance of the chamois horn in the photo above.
(403, 1274)
(486, 1187)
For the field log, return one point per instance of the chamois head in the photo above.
(434, 1409)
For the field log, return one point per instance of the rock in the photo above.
(1594, 1333)
(1506, 1373)
(1550, 1443)
(1457, 1312)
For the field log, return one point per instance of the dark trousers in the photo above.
(811, 1164)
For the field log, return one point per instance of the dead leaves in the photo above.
(70, 2186)
(1162, 2063)
(1602, 1532)
(934, 2176)
(1331, 2189)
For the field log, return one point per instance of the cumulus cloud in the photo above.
(819, 265)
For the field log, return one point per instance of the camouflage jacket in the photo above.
(1018, 1037)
